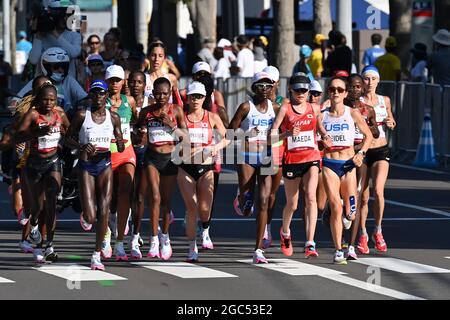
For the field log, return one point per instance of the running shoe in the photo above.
(206, 240)
(286, 244)
(171, 217)
(166, 248)
(119, 252)
(193, 253)
(339, 257)
(154, 249)
(380, 244)
(258, 257)
(22, 218)
(25, 246)
(237, 207)
(140, 241)
(363, 246)
(38, 255)
(351, 254)
(35, 236)
(84, 224)
(310, 250)
(267, 239)
(106, 251)
(248, 204)
(50, 254)
(135, 250)
(347, 223)
(96, 263)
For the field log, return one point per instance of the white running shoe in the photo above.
(25, 246)
(96, 263)
(135, 251)
(50, 254)
(206, 240)
(166, 248)
(154, 249)
(86, 226)
(258, 257)
(339, 258)
(106, 251)
(38, 255)
(193, 252)
(347, 223)
(267, 239)
(35, 236)
(119, 252)
(351, 254)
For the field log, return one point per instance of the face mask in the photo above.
(57, 76)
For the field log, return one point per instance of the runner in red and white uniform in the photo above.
(299, 125)
(376, 164)
(195, 177)
(163, 122)
(43, 126)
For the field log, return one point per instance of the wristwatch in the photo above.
(362, 152)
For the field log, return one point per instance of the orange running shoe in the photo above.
(363, 247)
(310, 250)
(380, 244)
(286, 244)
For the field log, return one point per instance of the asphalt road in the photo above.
(416, 266)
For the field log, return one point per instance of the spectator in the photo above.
(227, 50)
(222, 69)
(439, 61)
(419, 71)
(57, 35)
(111, 41)
(245, 58)
(389, 65)
(302, 64)
(259, 56)
(5, 78)
(315, 62)
(206, 53)
(96, 70)
(372, 54)
(94, 44)
(23, 44)
(340, 58)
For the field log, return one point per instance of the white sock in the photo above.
(363, 231)
(377, 229)
(154, 239)
(96, 254)
(286, 235)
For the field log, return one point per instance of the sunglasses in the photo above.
(315, 93)
(196, 96)
(336, 89)
(300, 90)
(94, 64)
(96, 42)
(264, 86)
(100, 93)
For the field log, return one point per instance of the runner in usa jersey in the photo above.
(43, 127)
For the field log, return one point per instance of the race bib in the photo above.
(304, 140)
(198, 135)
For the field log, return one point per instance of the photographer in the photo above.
(50, 30)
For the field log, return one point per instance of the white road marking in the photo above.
(294, 268)
(185, 270)
(399, 265)
(411, 206)
(398, 165)
(76, 272)
(4, 280)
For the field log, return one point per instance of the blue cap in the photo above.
(22, 34)
(98, 84)
(306, 51)
(370, 69)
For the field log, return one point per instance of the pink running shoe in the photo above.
(380, 244)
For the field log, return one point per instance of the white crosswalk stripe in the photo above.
(401, 266)
(295, 268)
(185, 270)
(4, 280)
(76, 272)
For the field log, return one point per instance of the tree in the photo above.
(322, 17)
(284, 36)
(203, 16)
(400, 20)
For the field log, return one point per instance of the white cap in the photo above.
(315, 86)
(273, 72)
(114, 71)
(196, 88)
(261, 75)
(201, 66)
(224, 43)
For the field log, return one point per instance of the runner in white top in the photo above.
(90, 132)
(376, 164)
(339, 160)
